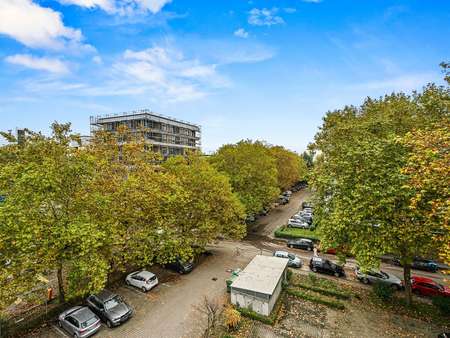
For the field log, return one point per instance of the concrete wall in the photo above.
(256, 304)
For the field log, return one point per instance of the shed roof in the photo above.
(261, 275)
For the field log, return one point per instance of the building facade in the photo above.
(166, 135)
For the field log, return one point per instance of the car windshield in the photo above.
(291, 256)
(113, 302)
(88, 322)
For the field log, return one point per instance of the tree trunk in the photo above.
(62, 296)
(407, 278)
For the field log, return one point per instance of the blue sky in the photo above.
(242, 69)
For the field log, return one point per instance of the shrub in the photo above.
(256, 316)
(232, 318)
(326, 292)
(382, 291)
(316, 299)
(443, 304)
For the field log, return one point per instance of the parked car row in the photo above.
(110, 308)
(420, 264)
(84, 321)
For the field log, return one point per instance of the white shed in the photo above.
(258, 286)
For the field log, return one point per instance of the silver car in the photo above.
(79, 322)
(378, 276)
(295, 223)
(144, 280)
(294, 261)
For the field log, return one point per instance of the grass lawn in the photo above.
(285, 232)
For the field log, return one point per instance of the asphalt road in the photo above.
(174, 308)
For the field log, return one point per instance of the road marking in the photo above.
(61, 332)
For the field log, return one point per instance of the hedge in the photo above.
(332, 293)
(292, 233)
(316, 299)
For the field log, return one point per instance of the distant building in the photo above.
(167, 135)
(259, 285)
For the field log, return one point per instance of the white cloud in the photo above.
(404, 83)
(38, 27)
(121, 7)
(264, 17)
(97, 59)
(241, 33)
(169, 73)
(39, 63)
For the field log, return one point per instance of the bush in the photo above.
(316, 299)
(256, 316)
(443, 304)
(382, 291)
(232, 318)
(326, 292)
(293, 233)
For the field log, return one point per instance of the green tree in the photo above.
(428, 171)
(362, 195)
(45, 223)
(290, 166)
(208, 209)
(252, 172)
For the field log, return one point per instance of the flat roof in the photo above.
(138, 114)
(261, 275)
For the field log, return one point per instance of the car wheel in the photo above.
(417, 292)
(365, 281)
(144, 289)
(127, 282)
(314, 269)
(337, 274)
(289, 246)
(59, 323)
(309, 248)
(75, 335)
(109, 324)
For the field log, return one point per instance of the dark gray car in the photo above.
(79, 322)
(110, 307)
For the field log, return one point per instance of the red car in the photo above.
(428, 287)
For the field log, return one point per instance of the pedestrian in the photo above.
(315, 251)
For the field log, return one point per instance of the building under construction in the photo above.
(167, 135)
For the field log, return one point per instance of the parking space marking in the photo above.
(61, 332)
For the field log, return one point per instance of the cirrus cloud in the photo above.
(264, 17)
(51, 65)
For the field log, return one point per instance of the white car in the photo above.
(143, 280)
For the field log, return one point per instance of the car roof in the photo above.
(304, 240)
(105, 295)
(282, 252)
(82, 314)
(423, 279)
(146, 274)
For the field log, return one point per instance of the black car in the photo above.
(322, 265)
(180, 266)
(111, 308)
(419, 264)
(306, 205)
(302, 243)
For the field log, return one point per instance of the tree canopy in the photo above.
(81, 213)
(364, 180)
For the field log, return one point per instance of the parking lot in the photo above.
(171, 310)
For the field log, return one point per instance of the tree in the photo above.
(362, 195)
(45, 223)
(428, 171)
(308, 157)
(252, 173)
(209, 208)
(291, 167)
